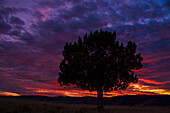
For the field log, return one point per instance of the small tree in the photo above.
(99, 63)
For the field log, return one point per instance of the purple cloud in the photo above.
(16, 20)
(33, 33)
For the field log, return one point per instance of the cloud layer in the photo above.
(33, 33)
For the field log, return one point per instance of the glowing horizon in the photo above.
(134, 89)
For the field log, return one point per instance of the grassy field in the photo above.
(8, 105)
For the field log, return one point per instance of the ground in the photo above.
(12, 105)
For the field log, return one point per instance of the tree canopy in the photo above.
(97, 62)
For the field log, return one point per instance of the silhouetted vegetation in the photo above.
(97, 62)
(11, 105)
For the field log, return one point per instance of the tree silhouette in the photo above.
(99, 63)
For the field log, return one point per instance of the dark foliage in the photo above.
(99, 62)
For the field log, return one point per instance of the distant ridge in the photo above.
(131, 100)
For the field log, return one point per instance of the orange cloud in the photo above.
(153, 82)
(3, 93)
(149, 89)
(134, 89)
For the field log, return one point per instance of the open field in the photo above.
(12, 105)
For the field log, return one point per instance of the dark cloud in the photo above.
(26, 36)
(4, 26)
(82, 9)
(16, 20)
(9, 24)
(167, 4)
(32, 37)
(7, 11)
(52, 4)
(15, 32)
(38, 15)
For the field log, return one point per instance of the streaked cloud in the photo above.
(33, 33)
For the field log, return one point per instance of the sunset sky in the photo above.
(33, 34)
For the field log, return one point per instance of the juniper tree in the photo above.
(97, 62)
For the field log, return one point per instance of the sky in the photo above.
(33, 34)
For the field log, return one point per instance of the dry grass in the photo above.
(27, 106)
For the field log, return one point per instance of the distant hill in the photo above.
(130, 100)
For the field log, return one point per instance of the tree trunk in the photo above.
(100, 98)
